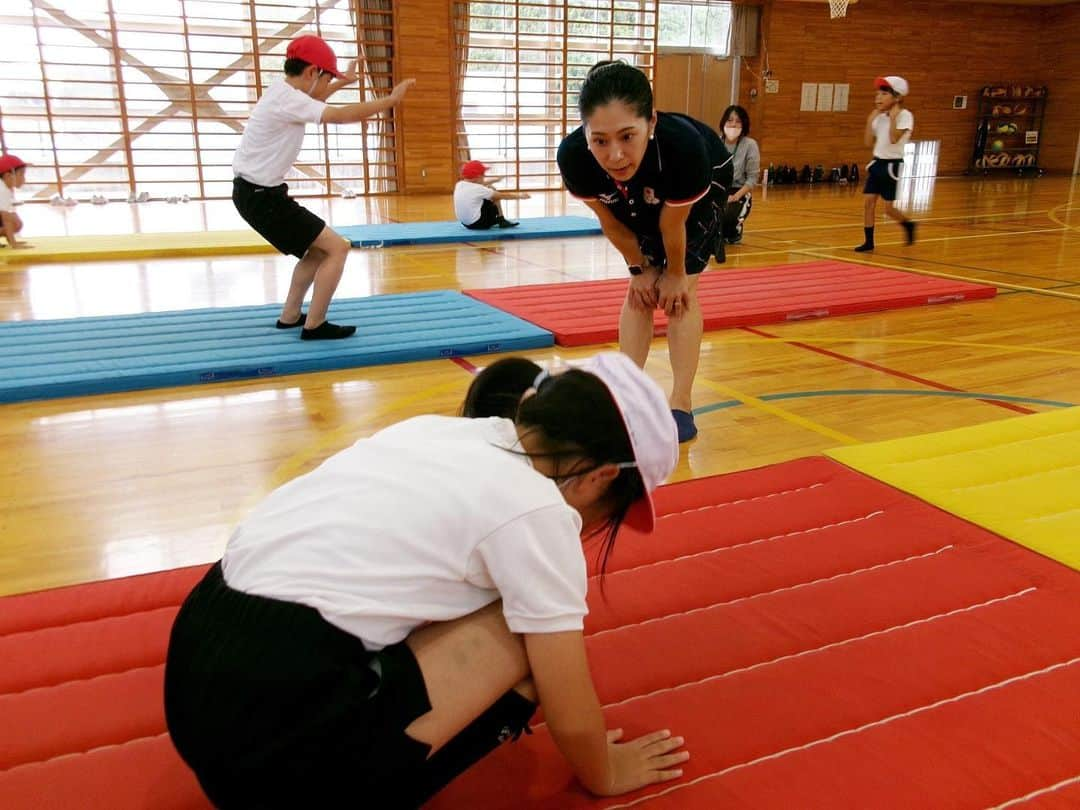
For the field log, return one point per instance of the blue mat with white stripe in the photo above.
(427, 233)
(74, 357)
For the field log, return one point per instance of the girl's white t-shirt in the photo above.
(426, 521)
(7, 198)
(274, 134)
(469, 198)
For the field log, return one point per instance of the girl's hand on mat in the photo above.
(648, 759)
(642, 292)
(398, 93)
(673, 294)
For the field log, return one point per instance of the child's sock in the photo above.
(868, 242)
(298, 322)
(909, 227)
(327, 331)
(503, 222)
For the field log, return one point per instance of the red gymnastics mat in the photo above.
(821, 639)
(585, 312)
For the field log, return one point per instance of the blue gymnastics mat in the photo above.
(428, 233)
(78, 356)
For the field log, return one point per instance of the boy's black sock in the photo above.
(298, 322)
(327, 331)
(503, 222)
(868, 243)
(909, 227)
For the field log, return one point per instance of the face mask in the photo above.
(732, 132)
(314, 83)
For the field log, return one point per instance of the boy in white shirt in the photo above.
(476, 202)
(888, 129)
(271, 143)
(12, 176)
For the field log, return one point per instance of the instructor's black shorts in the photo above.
(704, 235)
(881, 178)
(277, 217)
(274, 707)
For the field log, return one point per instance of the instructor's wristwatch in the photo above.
(635, 269)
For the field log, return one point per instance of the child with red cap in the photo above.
(12, 176)
(476, 202)
(888, 129)
(270, 144)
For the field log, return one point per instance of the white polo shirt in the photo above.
(426, 521)
(469, 198)
(274, 133)
(7, 198)
(883, 147)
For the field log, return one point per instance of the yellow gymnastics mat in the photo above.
(1017, 477)
(134, 246)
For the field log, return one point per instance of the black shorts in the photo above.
(274, 707)
(489, 215)
(704, 236)
(277, 217)
(881, 178)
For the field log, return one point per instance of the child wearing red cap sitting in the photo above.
(888, 129)
(12, 176)
(270, 144)
(476, 202)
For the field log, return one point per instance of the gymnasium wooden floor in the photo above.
(107, 486)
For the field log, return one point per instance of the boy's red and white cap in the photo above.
(314, 50)
(649, 423)
(473, 169)
(10, 162)
(896, 84)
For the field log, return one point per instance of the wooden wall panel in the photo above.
(1061, 57)
(424, 48)
(942, 49)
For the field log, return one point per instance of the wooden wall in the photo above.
(942, 48)
(426, 119)
(1061, 58)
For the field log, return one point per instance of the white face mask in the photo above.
(311, 90)
(732, 132)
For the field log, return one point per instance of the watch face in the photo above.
(635, 269)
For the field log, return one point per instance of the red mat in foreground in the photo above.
(585, 312)
(821, 640)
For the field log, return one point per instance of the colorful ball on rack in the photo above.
(997, 146)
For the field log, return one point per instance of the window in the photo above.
(703, 25)
(520, 66)
(123, 96)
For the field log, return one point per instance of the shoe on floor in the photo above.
(684, 421)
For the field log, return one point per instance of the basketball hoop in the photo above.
(838, 8)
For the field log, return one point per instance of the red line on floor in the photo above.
(884, 369)
(465, 364)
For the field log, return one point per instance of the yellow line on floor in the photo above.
(776, 411)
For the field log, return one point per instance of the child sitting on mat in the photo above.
(380, 624)
(12, 176)
(268, 148)
(476, 202)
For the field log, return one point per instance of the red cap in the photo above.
(9, 163)
(314, 51)
(473, 169)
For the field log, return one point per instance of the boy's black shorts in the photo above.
(881, 178)
(277, 217)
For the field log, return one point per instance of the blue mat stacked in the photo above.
(46, 359)
(426, 233)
